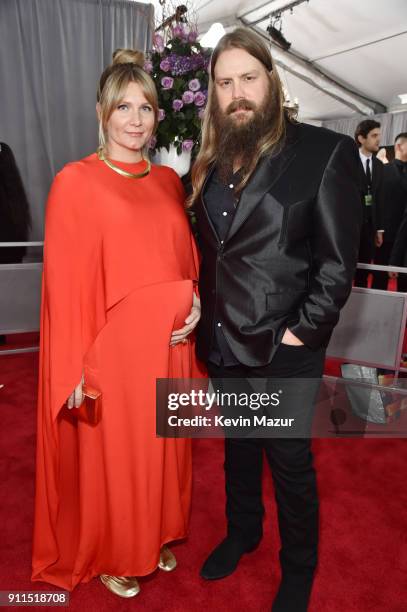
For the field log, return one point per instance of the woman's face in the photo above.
(131, 124)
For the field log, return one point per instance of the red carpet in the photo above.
(363, 551)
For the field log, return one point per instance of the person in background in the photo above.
(394, 206)
(118, 307)
(382, 156)
(278, 217)
(367, 137)
(15, 217)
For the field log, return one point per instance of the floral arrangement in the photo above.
(179, 68)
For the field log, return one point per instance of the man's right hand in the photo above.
(76, 397)
(290, 339)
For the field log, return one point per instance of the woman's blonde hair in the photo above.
(241, 38)
(127, 67)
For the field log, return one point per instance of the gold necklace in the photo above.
(102, 157)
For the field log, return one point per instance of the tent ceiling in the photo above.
(360, 44)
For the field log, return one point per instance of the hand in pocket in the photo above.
(290, 339)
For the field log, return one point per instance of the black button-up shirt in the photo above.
(220, 202)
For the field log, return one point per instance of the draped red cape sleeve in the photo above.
(120, 264)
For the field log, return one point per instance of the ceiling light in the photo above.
(213, 35)
(277, 37)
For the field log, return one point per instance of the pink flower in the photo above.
(148, 66)
(187, 145)
(199, 98)
(161, 114)
(167, 82)
(188, 97)
(152, 142)
(177, 104)
(194, 85)
(158, 42)
(165, 65)
(192, 36)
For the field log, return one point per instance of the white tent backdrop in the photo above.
(347, 57)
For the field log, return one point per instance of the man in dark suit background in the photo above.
(394, 205)
(367, 137)
(278, 216)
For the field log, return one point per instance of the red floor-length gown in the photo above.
(119, 268)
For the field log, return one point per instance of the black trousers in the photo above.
(366, 252)
(381, 279)
(291, 463)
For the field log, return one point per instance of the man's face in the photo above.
(401, 149)
(372, 141)
(241, 84)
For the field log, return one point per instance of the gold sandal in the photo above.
(167, 562)
(123, 586)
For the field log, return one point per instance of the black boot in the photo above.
(225, 558)
(294, 592)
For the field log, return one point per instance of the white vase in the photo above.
(180, 162)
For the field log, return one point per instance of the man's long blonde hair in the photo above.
(241, 38)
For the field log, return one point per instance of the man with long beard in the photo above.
(278, 219)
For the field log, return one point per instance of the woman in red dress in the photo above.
(118, 306)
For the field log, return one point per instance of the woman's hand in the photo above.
(290, 339)
(180, 335)
(76, 397)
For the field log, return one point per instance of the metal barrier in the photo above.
(368, 338)
(20, 297)
(370, 329)
(371, 326)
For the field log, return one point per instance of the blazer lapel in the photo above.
(203, 205)
(268, 171)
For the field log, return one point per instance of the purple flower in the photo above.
(181, 64)
(192, 36)
(161, 114)
(158, 42)
(188, 97)
(148, 66)
(194, 85)
(199, 98)
(187, 145)
(201, 113)
(152, 142)
(167, 82)
(165, 65)
(178, 31)
(177, 104)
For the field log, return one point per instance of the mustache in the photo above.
(241, 104)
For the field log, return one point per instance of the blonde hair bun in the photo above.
(128, 56)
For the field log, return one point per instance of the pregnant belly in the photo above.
(137, 334)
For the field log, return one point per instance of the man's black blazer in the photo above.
(394, 200)
(290, 254)
(398, 256)
(377, 190)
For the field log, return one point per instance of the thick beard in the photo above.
(240, 140)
